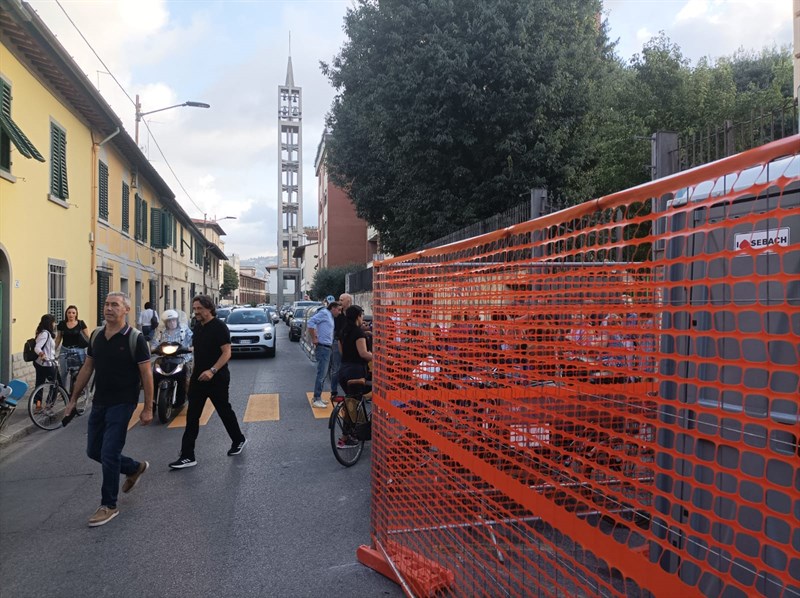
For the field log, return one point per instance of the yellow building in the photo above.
(82, 211)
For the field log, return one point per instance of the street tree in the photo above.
(448, 112)
(230, 280)
(331, 281)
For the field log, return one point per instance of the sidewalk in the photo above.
(19, 424)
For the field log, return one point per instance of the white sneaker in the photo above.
(319, 404)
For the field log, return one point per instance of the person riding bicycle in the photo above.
(355, 357)
(71, 336)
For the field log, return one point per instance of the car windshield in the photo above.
(241, 316)
(298, 313)
(223, 313)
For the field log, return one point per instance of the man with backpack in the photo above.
(120, 357)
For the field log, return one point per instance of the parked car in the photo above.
(273, 315)
(251, 331)
(297, 322)
(224, 312)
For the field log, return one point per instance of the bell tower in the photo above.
(290, 186)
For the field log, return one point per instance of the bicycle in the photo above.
(351, 423)
(48, 400)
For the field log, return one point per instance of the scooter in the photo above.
(171, 374)
(9, 394)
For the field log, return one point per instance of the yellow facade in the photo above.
(35, 231)
(55, 252)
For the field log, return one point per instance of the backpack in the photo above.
(154, 320)
(133, 339)
(29, 350)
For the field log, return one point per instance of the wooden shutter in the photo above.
(103, 288)
(144, 221)
(126, 207)
(55, 161)
(102, 189)
(156, 237)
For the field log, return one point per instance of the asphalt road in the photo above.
(281, 519)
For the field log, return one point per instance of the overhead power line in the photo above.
(127, 95)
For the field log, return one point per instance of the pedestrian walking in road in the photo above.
(148, 321)
(120, 359)
(210, 380)
(320, 328)
(346, 300)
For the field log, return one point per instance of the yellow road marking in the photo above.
(180, 419)
(262, 408)
(135, 417)
(320, 413)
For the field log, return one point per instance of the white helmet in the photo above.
(169, 314)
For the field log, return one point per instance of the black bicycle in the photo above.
(48, 400)
(351, 422)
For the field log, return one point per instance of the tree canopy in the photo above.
(447, 111)
(230, 280)
(331, 281)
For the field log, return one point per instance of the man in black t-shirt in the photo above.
(120, 368)
(210, 380)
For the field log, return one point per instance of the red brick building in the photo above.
(342, 234)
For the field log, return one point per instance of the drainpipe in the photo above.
(92, 218)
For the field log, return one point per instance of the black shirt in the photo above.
(117, 377)
(207, 342)
(72, 337)
(350, 336)
(338, 325)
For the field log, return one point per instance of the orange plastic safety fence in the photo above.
(603, 401)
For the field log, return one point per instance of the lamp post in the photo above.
(205, 247)
(140, 114)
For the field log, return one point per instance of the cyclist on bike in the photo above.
(46, 353)
(355, 356)
(72, 338)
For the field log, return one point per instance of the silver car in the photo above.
(252, 331)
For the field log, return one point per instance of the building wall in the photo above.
(252, 290)
(346, 232)
(34, 229)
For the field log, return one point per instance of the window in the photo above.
(126, 207)
(102, 190)
(56, 288)
(140, 216)
(166, 297)
(174, 233)
(11, 133)
(162, 224)
(103, 288)
(58, 162)
(144, 221)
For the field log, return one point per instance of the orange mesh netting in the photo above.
(602, 401)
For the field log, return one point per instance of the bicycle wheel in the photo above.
(346, 448)
(46, 405)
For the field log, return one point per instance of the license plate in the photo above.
(245, 341)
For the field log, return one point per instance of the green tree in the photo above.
(448, 111)
(331, 281)
(230, 280)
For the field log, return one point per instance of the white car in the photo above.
(252, 331)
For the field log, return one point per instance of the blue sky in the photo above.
(232, 54)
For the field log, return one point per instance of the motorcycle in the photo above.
(171, 373)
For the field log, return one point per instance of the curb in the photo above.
(16, 431)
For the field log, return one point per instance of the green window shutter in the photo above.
(11, 133)
(103, 288)
(102, 189)
(166, 228)
(156, 225)
(174, 233)
(55, 161)
(144, 221)
(126, 207)
(137, 217)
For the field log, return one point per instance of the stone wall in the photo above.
(22, 370)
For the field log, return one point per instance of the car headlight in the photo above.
(267, 335)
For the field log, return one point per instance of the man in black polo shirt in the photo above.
(210, 379)
(119, 371)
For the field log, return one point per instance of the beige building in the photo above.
(252, 289)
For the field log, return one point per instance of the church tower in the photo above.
(290, 187)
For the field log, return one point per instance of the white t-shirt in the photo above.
(146, 316)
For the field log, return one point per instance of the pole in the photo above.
(138, 118)
(205, 249)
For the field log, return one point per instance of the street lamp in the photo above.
(140, 114)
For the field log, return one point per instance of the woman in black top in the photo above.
(71, 333)
(353, 347)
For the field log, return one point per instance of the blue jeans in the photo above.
(323, 355)
(336, 363)
(108, 427)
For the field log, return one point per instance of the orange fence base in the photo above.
(424, 576)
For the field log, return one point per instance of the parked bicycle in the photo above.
(48, 400)
(9, 394)
(351, 422)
